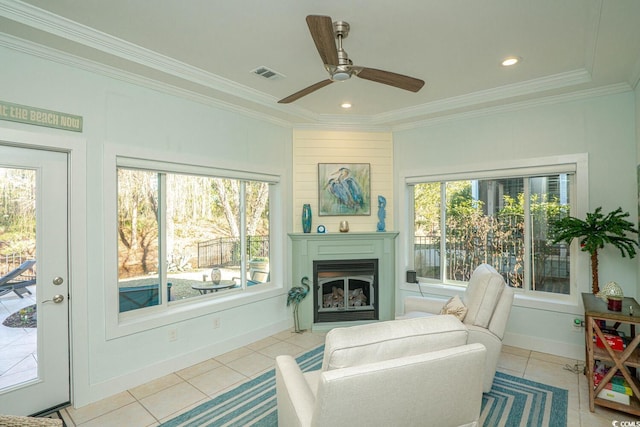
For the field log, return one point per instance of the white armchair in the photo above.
(414, 372)
(488, 301)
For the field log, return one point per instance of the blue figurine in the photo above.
(382, 203)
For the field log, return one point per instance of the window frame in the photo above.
(574, 163)
(134, 321)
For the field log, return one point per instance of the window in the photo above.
(183, 236)
(503, 221)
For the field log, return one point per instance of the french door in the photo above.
(34, 328)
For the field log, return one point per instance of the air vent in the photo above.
(267, 73)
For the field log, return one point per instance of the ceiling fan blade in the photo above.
(305, 91)
(321, 28)
(392, 79)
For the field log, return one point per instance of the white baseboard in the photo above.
(557, 348)
(102, 390)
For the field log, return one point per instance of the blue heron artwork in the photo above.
(344, 189)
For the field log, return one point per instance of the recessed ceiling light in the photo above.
(345, 105)
(510, 61)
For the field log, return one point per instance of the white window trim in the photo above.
(122, 324)
(521, 167)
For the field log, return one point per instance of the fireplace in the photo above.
(360, 264)
(345, 290)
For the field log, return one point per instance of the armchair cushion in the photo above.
(455, 307)
(358, 345)
(482, 295)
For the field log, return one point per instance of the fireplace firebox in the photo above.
(345, 290)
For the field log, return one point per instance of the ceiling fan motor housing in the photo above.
(342, 70)
(341, 29)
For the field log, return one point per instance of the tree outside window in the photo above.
(503, 222)
(195, 224)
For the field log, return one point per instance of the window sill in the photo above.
(557, 303)
(179, 311)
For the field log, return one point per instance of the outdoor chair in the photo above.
(8, 284)
(255, 277)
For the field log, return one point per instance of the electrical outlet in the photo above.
(216, 322)
(577, 324)
(173, 334)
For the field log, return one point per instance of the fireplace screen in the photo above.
(345, 290)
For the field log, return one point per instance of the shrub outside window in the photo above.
(462, 223)
(184, 236)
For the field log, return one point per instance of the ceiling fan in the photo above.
(337, 63)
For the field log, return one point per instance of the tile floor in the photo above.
(164, 398)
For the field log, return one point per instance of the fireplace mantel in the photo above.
(308, 247)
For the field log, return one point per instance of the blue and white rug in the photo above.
(512, 401)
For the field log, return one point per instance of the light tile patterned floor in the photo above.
(166, 397)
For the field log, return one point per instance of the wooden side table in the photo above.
(595, 310)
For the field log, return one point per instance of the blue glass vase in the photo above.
(306, 218)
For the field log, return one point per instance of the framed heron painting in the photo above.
(344, 189)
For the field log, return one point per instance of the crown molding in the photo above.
(70, 30)
(556, 81)
(68, 59)
(502, 93)
(516, 106)
(343, 126)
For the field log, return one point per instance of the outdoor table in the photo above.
(205, 288)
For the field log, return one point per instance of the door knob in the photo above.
(56, 299)
(58, 280)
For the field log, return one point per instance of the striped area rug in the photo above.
(512, 401)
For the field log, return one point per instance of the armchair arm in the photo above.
(493, 344)
(425, 304)
(295, 399)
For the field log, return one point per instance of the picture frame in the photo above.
(344, 189)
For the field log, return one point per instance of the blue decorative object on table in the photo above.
(306, 218)
(382, 203)
(322, 229)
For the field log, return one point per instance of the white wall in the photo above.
(120, 114)
(311, 147)
(603, 127)
(637, 110)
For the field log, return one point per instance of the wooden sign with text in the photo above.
(39, 117)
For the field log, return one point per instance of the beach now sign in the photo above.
(39, 117)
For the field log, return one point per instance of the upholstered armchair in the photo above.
(414, 372)
(487, 302)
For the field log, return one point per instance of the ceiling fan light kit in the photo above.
(337, 62)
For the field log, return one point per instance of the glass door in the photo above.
(34, 310)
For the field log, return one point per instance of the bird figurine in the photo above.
(295, 295)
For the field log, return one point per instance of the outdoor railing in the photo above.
(551, 262)
(9, 262)
(226, 251)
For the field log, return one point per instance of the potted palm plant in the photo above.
(596, 231)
